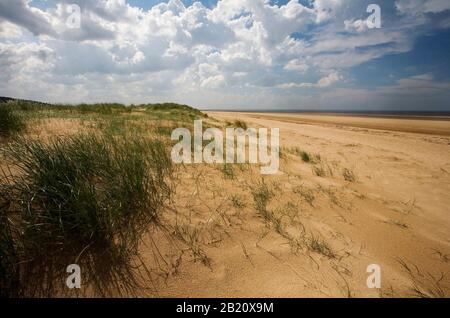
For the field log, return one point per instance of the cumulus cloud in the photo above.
(422, 6)
(326, 81)
(326, 8)
(19, 12)
(9, 30)
(356, 25)
(297, 65)
(242, 51)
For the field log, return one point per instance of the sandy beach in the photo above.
(205, 150)
(394, 214)
(435, 125)
(351, 192)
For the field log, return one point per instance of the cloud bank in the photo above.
(251, 54)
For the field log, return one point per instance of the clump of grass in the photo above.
(319, 245)
(102, 108)
(240, 124)
(171, 111)
(10, 122)
(262, 194)
(164, 131)
(424, 285)
(305, 156)
(237, 202)
(167, 111)
(348, 175)
(115, 126)
(83, 199)
(331, 193)
(282, 152)
(322, 168)
(319, 171)
(227, 170)
(237, 124)
(289, 210)
(305, 193)
(9, 274)
(191, 237)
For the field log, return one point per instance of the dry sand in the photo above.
(436, 125)
(395, 212)
(213, 242)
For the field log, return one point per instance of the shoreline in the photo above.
(420, 125)
(444, 116)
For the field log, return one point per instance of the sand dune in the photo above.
(394, 214)
(370, 192)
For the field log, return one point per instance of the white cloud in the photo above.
(326, 8)
(422, 6)
(356, 25)
(9, 30)
(296, 65)
(240, 51)
(20, 13)
(423, 84)
(326, 81)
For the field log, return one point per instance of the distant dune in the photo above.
(5, 99)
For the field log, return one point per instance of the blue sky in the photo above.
(229, 54)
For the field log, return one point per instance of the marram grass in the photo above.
(84, 199)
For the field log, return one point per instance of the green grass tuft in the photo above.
(227, 170)
(10, 122)
(262, 195)
(83, 199)
(349, 175)
(319, 245)
(240, 124)
(305, 156)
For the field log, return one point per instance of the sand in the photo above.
(394, 214)
(382, 198)
(436, 125)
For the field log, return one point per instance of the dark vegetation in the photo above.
(10, 122)
(83, 199)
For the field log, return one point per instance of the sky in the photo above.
(229, 54)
